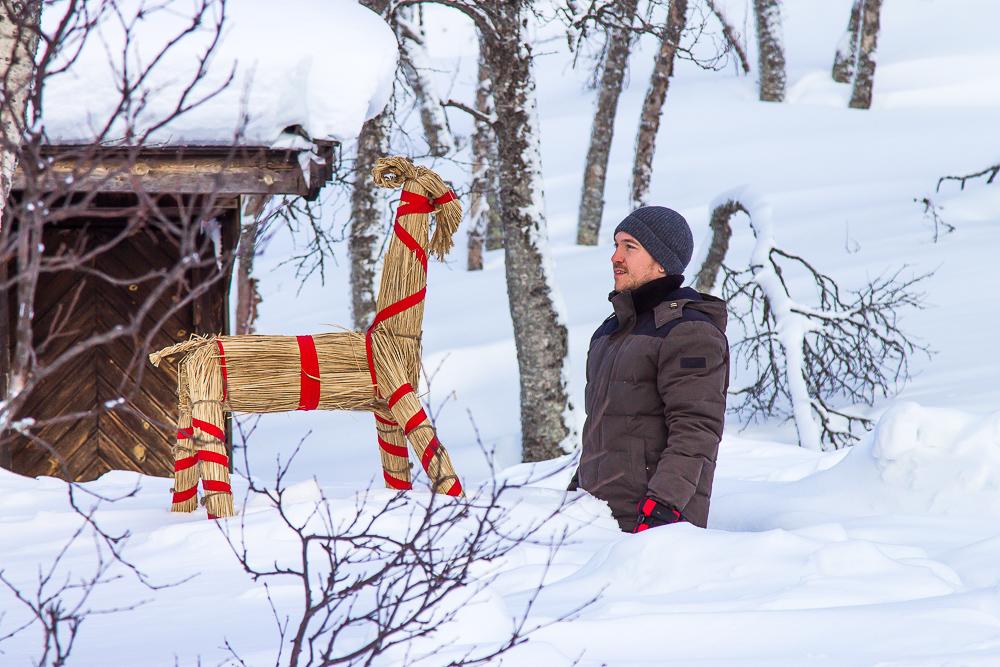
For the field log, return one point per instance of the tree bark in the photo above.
(19, 32)
(864, 76)
(247, 295)
(602, 131)
(771, 50)
(847, 50)
(722, 231)
(652, 106)
(416, 65)
(366, 217)
(539, 330)
(483, 214)
(19, 27)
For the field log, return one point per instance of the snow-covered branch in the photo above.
(806, 355)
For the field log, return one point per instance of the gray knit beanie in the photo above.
(664, 233)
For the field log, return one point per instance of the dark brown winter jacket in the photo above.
(657, 375)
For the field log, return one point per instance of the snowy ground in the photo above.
(882, 555)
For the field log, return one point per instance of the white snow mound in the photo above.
(949, 457)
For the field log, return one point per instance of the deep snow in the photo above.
(884, 554)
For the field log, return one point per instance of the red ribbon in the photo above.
(187, 494)
(410, 203)
(429, 453)
(213, 457)
(398, 484)
(309, 382)
(415, 421)
(216, 486)
(185, 463)
(395, 450)
(209, 428)
(399, 393)
(383, 420)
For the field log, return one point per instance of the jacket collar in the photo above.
(628, 304)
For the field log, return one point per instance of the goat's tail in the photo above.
(193, 343)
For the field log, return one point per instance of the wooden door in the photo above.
(108, 409)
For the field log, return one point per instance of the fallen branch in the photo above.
(991, 173)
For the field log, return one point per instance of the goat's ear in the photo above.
(447, 218)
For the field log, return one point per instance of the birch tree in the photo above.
(864, 74)
(652, 105)
(619, 44)
(483, 213)
(247, 295)
(19, 31)
(845, 59)
(19, 34)
(770, 50)
(416, 67)
(366, 230)
(540, 335)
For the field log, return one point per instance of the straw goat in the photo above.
(375, 371)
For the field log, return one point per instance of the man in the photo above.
(657, 375)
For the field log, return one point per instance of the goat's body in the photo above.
(264, 373)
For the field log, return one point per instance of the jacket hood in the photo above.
(713, 306)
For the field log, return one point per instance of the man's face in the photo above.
(632, 265)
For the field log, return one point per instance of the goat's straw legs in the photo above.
(392, 448)
(185, 462)
(185, 468)
(213, 461)
(203, 373)
(407, 410)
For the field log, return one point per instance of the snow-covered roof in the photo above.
(325, 66)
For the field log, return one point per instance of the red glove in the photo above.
(653, 514)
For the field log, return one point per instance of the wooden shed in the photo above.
(107, 409)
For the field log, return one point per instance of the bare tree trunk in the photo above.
(731, 36)
(864, 77)
(602, 131)
(416, 65)
(494, 223)
(771, 50)
(19, 28)
(247, 295)
(366, 219)
(19, 23)
(652, 106)
(539, 330)
(483, 213)
(847, 50)
(722, 231)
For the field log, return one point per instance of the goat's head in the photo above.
(398, 172)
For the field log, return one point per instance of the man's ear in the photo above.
(660, 268)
